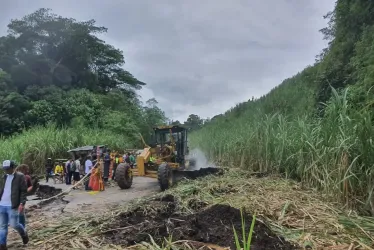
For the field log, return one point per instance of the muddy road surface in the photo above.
(78, 199)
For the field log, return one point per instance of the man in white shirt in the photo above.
(12, 201)
(88, 167)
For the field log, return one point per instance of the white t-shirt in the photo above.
(77, 166)
(6, 198)
(88, 166)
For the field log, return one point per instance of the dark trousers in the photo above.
(47, 174)
(68, 177)
(114, 170)
(87, 182)
(106, 170)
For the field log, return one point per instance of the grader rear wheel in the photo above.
(165, 176)
(124, 176)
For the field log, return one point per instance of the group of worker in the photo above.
(73, 170)
(17, 184)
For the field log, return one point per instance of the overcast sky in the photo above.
(202, 56)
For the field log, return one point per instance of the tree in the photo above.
(176, 123)
(194, 122)
(45, 49)
(55, 69)
(12, 106)
(153, 116)
(346, 25)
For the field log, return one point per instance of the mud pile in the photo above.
(195, 173)
(45, 191)
(212, 225)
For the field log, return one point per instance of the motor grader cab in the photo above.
(171, 145)
(161, 159)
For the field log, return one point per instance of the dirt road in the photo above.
(77, 199)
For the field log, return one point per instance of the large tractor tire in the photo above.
(165, 176)
(124, 176)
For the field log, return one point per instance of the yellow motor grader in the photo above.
(166, 159)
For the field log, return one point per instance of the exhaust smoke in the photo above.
(200, 160)
(199, 166)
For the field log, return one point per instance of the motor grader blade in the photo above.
(167, 177)
(195, 173)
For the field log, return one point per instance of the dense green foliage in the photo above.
(62, 87)
(56, 70)
(305, 128)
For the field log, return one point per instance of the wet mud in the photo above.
(196, 173)
(45, 191)
(214, 225)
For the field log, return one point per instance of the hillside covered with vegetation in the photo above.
(317, 126)
(62, 86)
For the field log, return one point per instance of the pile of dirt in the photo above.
(45, 191)
(196, 173)
(212, 225)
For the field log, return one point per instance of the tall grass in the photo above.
(334, 154)
(34, 146)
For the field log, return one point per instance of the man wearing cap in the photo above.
(12, 201)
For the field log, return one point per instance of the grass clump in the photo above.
(246, 243)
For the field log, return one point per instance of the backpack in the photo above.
(73, 167)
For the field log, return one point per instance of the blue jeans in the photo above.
(9, 216)
(22, 219)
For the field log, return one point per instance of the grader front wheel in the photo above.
(124, 176)
(165, 176)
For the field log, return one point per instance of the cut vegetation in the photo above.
(204, 212)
